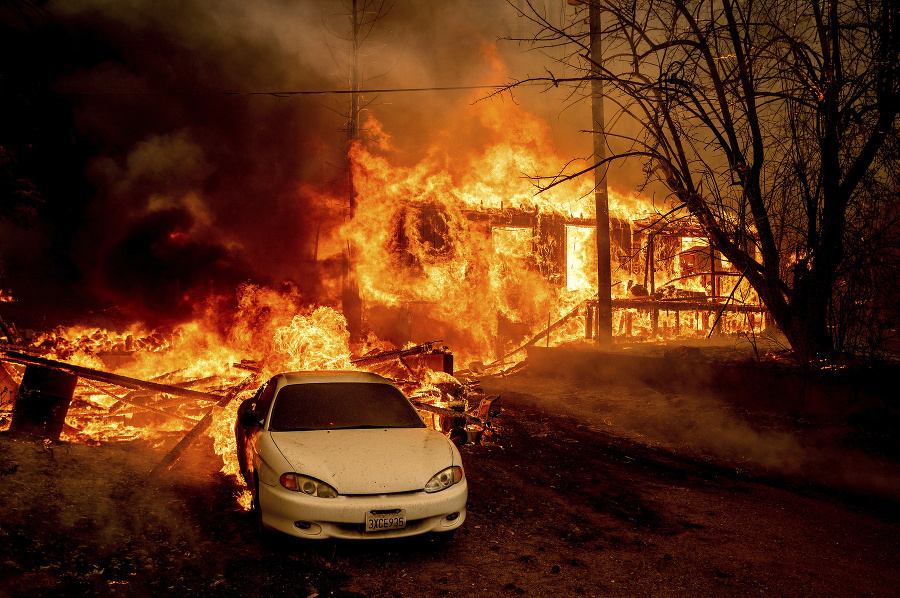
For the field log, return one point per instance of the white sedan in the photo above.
(346, 455)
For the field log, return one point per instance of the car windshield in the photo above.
(339, 405)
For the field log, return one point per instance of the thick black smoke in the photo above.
(160, 183)
(161, 261)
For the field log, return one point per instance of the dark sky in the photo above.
(159, 188)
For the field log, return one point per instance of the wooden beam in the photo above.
(178, 450)
(137, 405)
(545, 332)
(101, 376)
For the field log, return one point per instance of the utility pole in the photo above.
(353, 125)
(601, 197)
(351, 302)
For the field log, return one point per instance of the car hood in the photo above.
(369, 461)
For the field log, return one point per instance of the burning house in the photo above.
(465, 252)
(449, 241)
(477, 243)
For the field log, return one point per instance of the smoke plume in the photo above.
(178, 169)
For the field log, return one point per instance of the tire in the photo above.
(257, 515)
(262, 532)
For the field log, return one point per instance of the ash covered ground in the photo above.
(592, 489)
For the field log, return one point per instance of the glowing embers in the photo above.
(188, 367)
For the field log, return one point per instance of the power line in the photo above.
(278, 93)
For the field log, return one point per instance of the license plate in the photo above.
(378, 521)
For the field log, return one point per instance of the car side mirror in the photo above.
(250, 419)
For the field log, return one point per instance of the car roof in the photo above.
(324, 377)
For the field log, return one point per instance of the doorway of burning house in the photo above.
(581, 254)
(581, 258)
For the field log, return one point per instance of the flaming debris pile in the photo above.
(154, 396)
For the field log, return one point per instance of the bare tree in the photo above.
(357, 22)
(768, 122)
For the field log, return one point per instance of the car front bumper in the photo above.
(344, 517)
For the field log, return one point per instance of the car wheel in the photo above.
(261, 530)
(257, 515)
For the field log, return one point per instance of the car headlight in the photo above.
(444, 479)
(306, 485)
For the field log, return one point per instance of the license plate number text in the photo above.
(376, 522)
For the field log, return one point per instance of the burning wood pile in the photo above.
(57, 400)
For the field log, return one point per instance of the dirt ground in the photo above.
(600, 491)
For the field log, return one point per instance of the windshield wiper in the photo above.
(371, 427)
(356, 427)
(296, 429)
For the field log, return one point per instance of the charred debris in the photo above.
(86, 405)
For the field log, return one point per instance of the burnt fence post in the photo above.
(42, 402)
